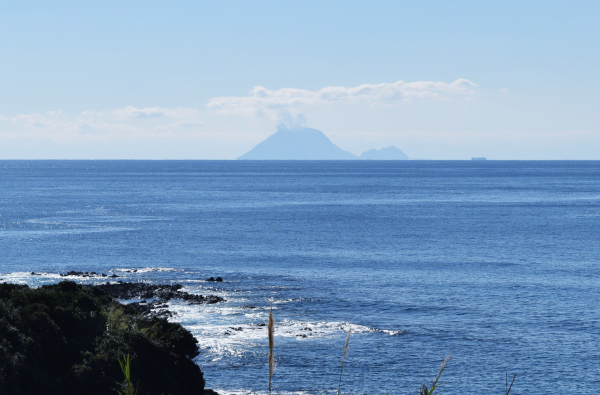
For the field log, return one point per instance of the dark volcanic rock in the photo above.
(218, 279)
(164, 292)
(74, 273)
(156, 308)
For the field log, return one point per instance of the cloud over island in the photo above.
(261, 99)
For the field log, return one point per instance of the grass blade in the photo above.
(127, 388)
(426, 391)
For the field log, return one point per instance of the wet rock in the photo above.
(154, 309)
(74, 273)
(162, 292)
(128, 290)
(218, 279)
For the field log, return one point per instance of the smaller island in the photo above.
(479, 158)
(389, 153)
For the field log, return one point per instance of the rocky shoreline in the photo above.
(154, 296)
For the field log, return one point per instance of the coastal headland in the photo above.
(68, 338)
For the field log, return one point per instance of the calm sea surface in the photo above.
(495, 262)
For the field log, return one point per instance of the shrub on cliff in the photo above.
(67, 338)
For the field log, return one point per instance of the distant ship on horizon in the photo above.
(479, 158)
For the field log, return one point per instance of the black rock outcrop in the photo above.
(218, 279)
(163, 292)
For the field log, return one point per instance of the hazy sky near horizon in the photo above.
(209, 80)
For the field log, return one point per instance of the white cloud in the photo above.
(127, 123)
(149, 112)
(262, 99)
(92, 114)
(179, 127)
(39, 120)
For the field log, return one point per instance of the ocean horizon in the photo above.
(494, 262)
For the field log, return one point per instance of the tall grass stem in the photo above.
(343, 360)
(271, 329)
(511, 383)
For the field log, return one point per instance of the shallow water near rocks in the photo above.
(495, 262)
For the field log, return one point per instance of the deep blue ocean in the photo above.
(496, 262)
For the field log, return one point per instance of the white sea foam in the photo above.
(43, 278)
(229, 329)
(18, 277)
(146, 269)
(23, 234)
(246, 392)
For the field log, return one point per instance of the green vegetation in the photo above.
(429, 391)
(67, 339)
(127, 387)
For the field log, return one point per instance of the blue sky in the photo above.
(438, 79)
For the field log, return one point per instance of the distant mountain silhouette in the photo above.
(389, 153)
(299, 144)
